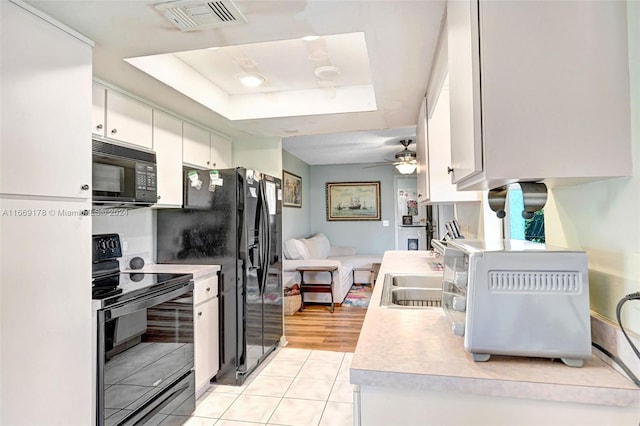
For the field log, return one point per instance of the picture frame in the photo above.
(353, 201)
(291, 190)
(407, 220)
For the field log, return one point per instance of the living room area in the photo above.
(320, 249)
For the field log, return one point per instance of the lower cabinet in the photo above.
(205, 324)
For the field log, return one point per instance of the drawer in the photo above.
(205, 289)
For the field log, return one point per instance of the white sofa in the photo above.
(318, 251)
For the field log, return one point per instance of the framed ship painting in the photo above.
(353, 200)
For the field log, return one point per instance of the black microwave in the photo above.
(123, 177)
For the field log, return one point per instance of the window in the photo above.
(517, 227)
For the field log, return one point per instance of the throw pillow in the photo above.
(318, 246)
(294, 249)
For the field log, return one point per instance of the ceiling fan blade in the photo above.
(378, 165)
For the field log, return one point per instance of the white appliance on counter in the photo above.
(512, 297)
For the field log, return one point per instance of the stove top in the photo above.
(123, 286)
(110, 286)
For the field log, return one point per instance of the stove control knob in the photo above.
(459, 303)
(458, 328)
(112, 244)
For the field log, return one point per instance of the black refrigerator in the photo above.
(232, 218)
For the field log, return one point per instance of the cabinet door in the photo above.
(46, 294)
(464, 84)
(99, 109)
(196, 147)
(46, 109)
(167, 143)
(220, 152)
(439, 143)
(206, 342)
(129, 120)
(421, 154)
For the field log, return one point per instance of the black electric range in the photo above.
(111, 287)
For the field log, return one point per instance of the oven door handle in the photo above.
(147, 302)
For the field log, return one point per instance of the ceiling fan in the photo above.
(405, 161)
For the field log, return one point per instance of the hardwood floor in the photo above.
(317, 328)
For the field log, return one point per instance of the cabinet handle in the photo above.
(200, 313)
(99, 127)
(449, 170)
(159, 196)
(208, 163)
(114, 131)
(208, 289)
(85, 187)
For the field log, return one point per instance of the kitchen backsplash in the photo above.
(136, 230)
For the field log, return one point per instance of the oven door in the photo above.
(145, 359)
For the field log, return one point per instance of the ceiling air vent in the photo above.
(189, 15)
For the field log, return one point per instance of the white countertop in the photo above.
(415, 348)
(198, 271)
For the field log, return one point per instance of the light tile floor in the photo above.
(293, 387)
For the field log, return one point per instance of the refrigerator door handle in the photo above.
(265, 236)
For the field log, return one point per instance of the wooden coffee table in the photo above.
(316, 287)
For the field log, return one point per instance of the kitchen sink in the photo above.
(416, 281)
(411, 291)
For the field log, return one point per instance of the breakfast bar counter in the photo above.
(410, 368)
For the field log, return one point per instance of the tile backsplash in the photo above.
(136, 230)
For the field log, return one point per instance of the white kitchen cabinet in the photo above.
(433, 137)
(204, 149)
(45, 239)
(220, 151)
(46, 99)
(205, 313)
(422, 169)
(128, 120)
(196, 146)
(532, 101)
(99, 109)
(122, 118)
(167, 143)
(439, 147)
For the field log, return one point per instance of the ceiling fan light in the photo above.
(406, 168)
(251, 80)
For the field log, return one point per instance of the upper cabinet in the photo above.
(204, 149)
(422, 170)
(167, 143)
(539, 92)
(220, 151)
(46, 98)
(121, 118)
(433, 143)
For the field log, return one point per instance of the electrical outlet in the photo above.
(385, 223)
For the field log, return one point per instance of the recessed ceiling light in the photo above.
(310, 37)
(251, 80)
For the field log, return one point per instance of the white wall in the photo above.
(296, 221)
(136, 230)
(258, 153)
(603, 218)
(368, 237)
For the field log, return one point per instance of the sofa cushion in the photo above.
(318, 246)
(295, 249)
